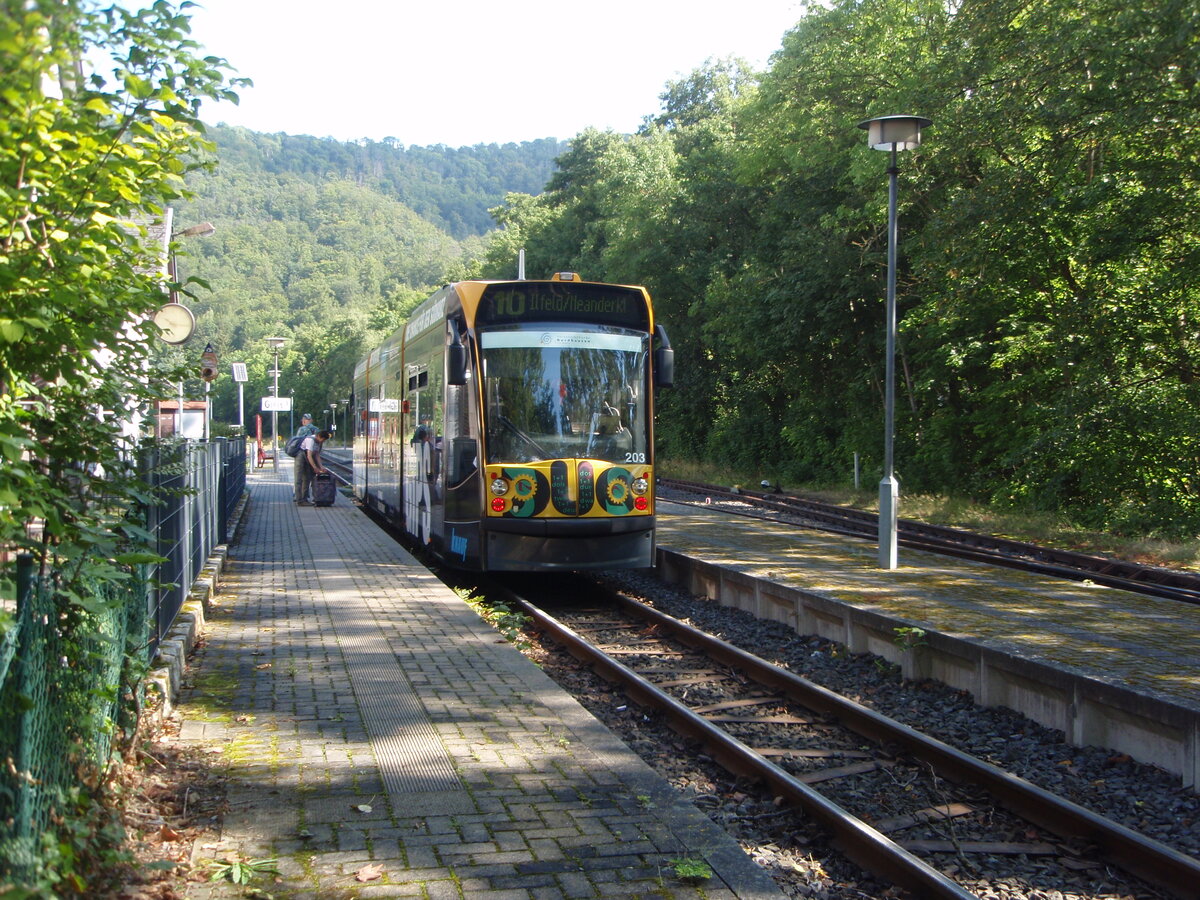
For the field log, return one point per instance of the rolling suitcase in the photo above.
(324, 489)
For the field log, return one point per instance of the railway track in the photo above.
(819, 752)
(1151, 580)
(1115, 573)
(340, 463)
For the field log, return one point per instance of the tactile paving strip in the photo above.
(412, 760)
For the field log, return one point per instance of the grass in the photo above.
(691, 870)
(1031, 526)
(509, 622)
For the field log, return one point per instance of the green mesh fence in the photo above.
(71, 674)
(65, 690)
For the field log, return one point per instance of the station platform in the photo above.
(383, 741)
(1109, 668)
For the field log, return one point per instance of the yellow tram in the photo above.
(509, 425)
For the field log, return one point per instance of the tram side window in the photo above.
(425, 426)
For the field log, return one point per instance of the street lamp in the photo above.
(194, 230)
(892, 133)
(275, 343)
(177, 320)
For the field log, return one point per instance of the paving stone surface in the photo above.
(369, 718)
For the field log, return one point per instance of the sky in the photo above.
(465, 72)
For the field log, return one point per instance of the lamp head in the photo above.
(195, 230)
(895, 132)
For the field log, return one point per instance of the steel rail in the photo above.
(339, 466)
(1066, 564)
(1149, 859)
(871, 849)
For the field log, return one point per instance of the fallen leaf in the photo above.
(369, 873)
(363, 808)
(167, 834)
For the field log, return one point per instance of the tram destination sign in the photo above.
(564, 302)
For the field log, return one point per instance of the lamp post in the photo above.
(204, 228)
(892, 133)
(275, 343)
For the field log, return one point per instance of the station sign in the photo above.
(276, 404)
(383, 405)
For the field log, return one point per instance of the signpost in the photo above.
(239, 375)
(275, 343)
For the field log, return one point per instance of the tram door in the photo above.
(423, 491)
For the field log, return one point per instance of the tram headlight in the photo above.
(499, 487)
(640, 485)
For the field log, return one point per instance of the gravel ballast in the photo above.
(1141, 797)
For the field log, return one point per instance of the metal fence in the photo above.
(70, 673)
(202, 484)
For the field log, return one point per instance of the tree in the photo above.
(1061, 330)
(98, 126)
(522, 220)
(315, 233)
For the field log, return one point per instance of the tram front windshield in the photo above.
(570, 391)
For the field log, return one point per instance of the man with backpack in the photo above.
(292, 449)
(309, 464)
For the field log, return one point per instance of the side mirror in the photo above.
(456, 358)
(664, 358)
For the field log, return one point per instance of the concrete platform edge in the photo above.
(1089, 711)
